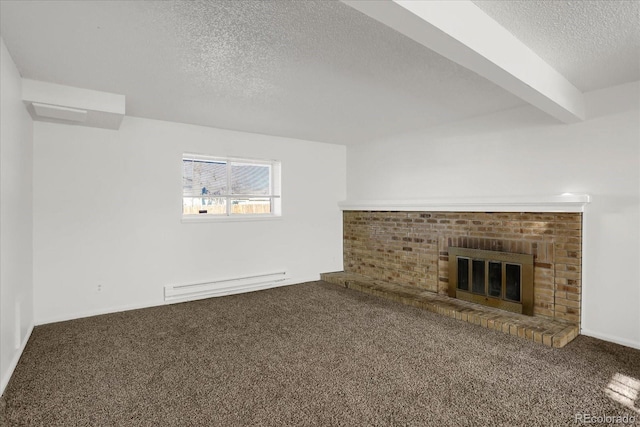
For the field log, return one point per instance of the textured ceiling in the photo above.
(315, 70)
(312, 70)
(594, 44)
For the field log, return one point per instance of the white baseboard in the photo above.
(160, 302)
(611, 338)
(97, 312)
(299, 280)
(15, 360)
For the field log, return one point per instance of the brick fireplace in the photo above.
(411, 248)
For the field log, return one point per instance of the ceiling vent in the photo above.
(50, 102)
(49, 111)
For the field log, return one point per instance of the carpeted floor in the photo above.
(311, 354)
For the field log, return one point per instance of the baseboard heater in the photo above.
(222, 287)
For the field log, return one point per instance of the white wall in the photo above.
(16, 244)
(524, 152)
(107, 210)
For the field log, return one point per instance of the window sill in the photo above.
(191, 219)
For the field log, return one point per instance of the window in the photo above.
(226, 187)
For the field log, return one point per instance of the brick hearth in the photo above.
(410, 249)
(552, 333)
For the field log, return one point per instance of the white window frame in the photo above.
(274, 196)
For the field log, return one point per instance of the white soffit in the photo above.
(461, 32)
(71, 105)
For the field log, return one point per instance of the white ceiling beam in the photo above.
(461, 32)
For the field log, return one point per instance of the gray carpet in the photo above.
(311, 354)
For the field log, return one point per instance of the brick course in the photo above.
(410, 248)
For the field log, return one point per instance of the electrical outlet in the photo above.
(99, 287)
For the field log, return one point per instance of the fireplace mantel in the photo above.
(560, 203)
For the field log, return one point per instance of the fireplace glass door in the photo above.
(498, 279)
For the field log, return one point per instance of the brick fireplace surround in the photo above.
(410, 248)
(402, 254)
